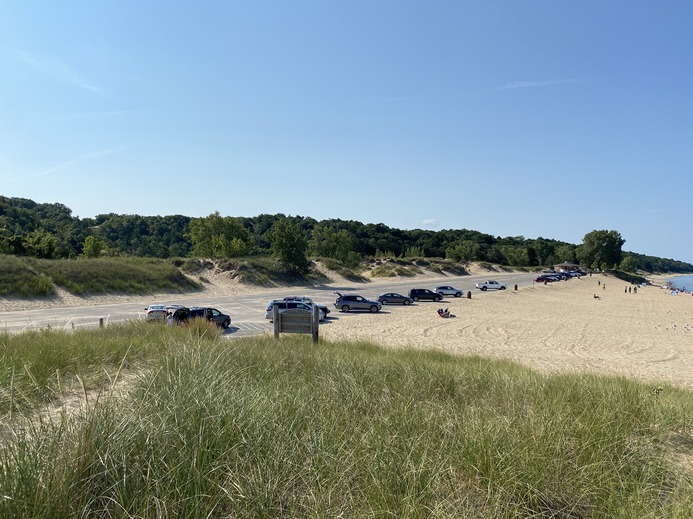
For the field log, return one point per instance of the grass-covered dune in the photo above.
(253, 428)
(31, 277)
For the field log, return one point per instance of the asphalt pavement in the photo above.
(247, 311)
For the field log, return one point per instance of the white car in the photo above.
(449, 291)
(490, 285)
(156, 312)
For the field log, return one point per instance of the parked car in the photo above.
(449, 291)
(490, 285)
(550, 278)
(417, 294)
(392, 298)
(308, 301)
(283, 305)
(155, 312)
(211, 314)
(346, 303)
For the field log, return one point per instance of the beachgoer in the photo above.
(625, 290)
(635, 290)
(629, 290)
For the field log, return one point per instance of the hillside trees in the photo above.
(329, 242)
(466, 250)
(601, 249)
(217, 236)
(289, 243)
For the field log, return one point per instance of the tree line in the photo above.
(48, 230)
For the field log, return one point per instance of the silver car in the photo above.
(449, 291)
(284, 305)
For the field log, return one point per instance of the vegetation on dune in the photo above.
(254, 428)
(19, 278)
(31, 277)
(50, 231)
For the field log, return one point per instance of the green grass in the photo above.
(19, 279)
(115, 275)
(253, 428)
(37, 366)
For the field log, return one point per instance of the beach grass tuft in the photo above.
(257, 428)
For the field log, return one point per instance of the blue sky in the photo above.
(513, 118)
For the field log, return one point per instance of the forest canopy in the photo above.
(48, 231)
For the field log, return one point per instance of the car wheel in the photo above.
(345, 308)
(384, 302)
(416, 298)
(226, 324)
(374, 309)
(484, 289)
(502, 288)
(458, 294)
(406, 301)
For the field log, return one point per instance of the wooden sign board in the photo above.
(294, 320)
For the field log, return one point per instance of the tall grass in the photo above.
(38, 366)
(115, 275)
(253, 428)
(18, 278)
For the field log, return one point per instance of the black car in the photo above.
(417, 294)
(392, 298)
(211, 314)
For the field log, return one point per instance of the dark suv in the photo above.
(423, 293)
(211, 314)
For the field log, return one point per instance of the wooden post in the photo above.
(315, 323)
(275, 320)
(100, 322)
(469, 294)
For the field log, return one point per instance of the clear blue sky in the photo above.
(514, 118)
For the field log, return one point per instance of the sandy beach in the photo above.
(552, 328)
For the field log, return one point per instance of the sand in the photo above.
(558, 327)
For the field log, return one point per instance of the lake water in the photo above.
(681, 282)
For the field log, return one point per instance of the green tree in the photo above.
(328, 242)
(93, 245)
(466, 250)
(564, 253)
(601, 249)
(41, 244)
(289, 243)
(216, 236)
(629, 264)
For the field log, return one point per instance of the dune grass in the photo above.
(115, 275)
(19, 279)
(253, 428)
